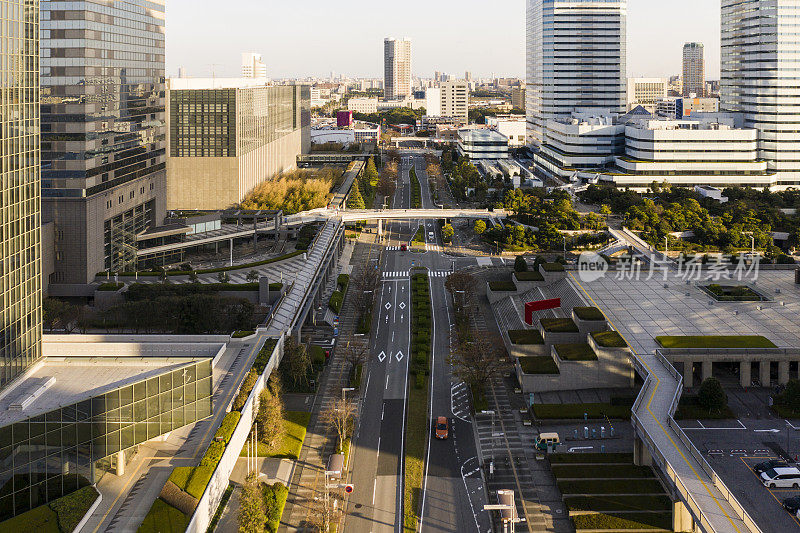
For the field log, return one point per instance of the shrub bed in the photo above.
(575, 352)
(618, 503)
(559, 325)
(163, 517)
(210, 270)
(609, 339)
(552, 267)
(530, 275)
(274, 502)
(502, 286)
(689, 408)
(590, 458)
(624, 521)
(58, 516)
(538, 365)
(602, 471)
(242, 334)
(715, 341)
(525, 336)
(335, 303)
(588, 313)
(733, 293)
(611, 486)
(110, 287)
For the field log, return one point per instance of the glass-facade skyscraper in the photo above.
(694, 69)
(20, 223)
(760, 78)
(103, 131)
(575, 59)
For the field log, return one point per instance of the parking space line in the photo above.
(771, 491)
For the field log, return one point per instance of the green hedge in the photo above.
(343, 280)
(180, 476)
(575, 411)
(274, 502)
(715, 341)
(618, 503)
(609, 339)
(110, 286)
(624, 521)
(525, 336)
(538, 365)
(530, 275)
(590, 458)
(588, 313)
(213, 454)
(575, 352)
(197, 484)
(611, 486)
(58, 516)
(163, 518)
(335, 303)
(559, 325)
(41, 519)
(364, 323)
(420, 325)
(552, 267)
(602, 472)
(263, 357)
(502, 286)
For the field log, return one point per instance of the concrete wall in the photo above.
(589, 326)
(551, 338)
(219, 480)
(207, 183)
(525, 286)
(497, 296)
(613, 369)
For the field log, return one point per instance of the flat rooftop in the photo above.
(74, 379)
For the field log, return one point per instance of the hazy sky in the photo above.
(315, 37)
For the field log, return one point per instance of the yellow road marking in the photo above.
(119, 495)
(771, 491)
(658, 384)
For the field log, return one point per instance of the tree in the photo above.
(520, 265)
(479, 360)
(448, 232)
(605, 210)
(270, 415)
(711, 396)
(252, 517)
(53, 312)
(365, 284)
(371, 173)
(356, 201)
(791, 396)
(354, 354)
(296, 362)
(340, 415)
(480, 227)
(253, 276)
(461, 285)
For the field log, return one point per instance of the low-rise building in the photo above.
(646, 92)
(678, 107)
(512, 126)
(481, 144)
(365, 106)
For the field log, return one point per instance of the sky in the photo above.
(302, 38)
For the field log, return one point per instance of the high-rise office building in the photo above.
(397, 68)
(253, 66)
(575, 59)
(760, 63)
(20, 223)
(103, 132)
(694, 70)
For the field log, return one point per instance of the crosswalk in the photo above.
(428, 248)
(403, 274)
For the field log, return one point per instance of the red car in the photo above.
(442, 428)
(403, 247)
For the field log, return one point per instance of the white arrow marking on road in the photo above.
(766, 431)
(387, 319)
(399, 356)
(381, 356)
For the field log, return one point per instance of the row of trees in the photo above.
(720, 226)
(295, 191)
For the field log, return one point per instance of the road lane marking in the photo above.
(374, 489)
(387, 380)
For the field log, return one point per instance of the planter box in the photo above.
(527, 350)
(589, 326)
(551, 277)
(551, 338)
(495, 296)
(525, 286)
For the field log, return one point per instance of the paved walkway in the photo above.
(652, 417)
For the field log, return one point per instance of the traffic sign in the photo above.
(348, 489)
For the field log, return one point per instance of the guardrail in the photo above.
(668, 470)
(219, 481)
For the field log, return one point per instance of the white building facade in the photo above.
(455, 100)
(363, 105)
(512, 126)
(253, 66)
(482, 144)
(760, 77)
(575, 58)
(646, 92)
(397, 68)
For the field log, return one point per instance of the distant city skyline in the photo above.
(314, 38)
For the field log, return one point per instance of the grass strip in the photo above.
(623, 521)
(611, 486)
(575, 352)
(416, 193)
(588, 313)
(295, 424)
(609, 339)
(715, 341)
(543, 364)
(163, 518)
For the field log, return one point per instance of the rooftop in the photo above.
(59, 381)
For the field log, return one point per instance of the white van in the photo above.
(781, 478)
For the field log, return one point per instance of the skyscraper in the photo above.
(397, 68)
(103, 132)
(694, 70)
(253, 66)
(759, 78)
(20, 222)
(575, 59)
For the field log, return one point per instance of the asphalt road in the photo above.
(453, 494)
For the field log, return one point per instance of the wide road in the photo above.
(453, 494)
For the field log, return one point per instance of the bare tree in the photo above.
(354, 354)
(366, 283)
(340, 415)
(461, 285)
(480, 359)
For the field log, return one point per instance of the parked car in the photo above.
(547, 440)
(403, 247)
(442, 428)
(781, 478)
(792, 504)
(431, 236)
(772, 463)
